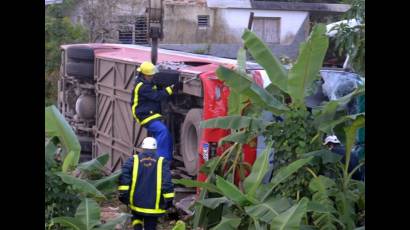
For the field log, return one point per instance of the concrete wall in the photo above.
(226, 42)
(181, 24)
(290, 21)
(226, 25)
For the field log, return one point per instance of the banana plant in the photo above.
(257, 211)
(61, 134)
(295, 84)
(73, 175)
(57, 127)
(87, 217)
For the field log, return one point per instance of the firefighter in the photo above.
(146, 105)
(334, 145)
(145, 186)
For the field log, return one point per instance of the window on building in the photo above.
(267, 28)
(132, 30)
(125, 35)
(203, 21)
(141, 30)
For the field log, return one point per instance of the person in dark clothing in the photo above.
(145, 186)
(146, 108)
(334, 145)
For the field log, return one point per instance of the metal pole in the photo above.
(250, 22)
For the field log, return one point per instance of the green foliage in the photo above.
(284, 174)
(229, 223)
(213, 203)
(94, 164)
(252, 209)
(193, 183)
(58, 30)
(263, 55)
(87, 217)
(324, 188)
(80, 185)
(234, 122)
(66, 185)
(268, 210)
(260, 168)
(292, 139)
(230, 191)
(295, 194)
(242, 84)
(305, 71)
(60, 198)
(352, 40)
(350, 132)
(56, 126)
(179, 225)
(291, 218)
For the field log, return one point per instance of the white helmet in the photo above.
(331, 139)
(149, 143)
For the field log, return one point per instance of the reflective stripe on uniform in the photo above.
(123, 187)
(159, 181)
(148, 119)
(147, 210)
(135, 103)
(169, 195)
(134, 178)
(136, 221)
(155, 210)
(169, 90)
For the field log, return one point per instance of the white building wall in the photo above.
(291, 21)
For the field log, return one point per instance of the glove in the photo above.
(124, 197)
(170, 89)
(174, 87)
(168, 204)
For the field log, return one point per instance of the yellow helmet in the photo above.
(147, 68)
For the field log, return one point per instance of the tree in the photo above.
(97, 16)
(351, 40)
(58, 30)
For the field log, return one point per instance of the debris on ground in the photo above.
(111, 210)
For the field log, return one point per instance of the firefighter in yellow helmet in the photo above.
(146, 108)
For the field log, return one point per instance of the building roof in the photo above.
(286, 6)
(301, 6)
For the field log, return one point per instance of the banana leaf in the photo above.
(259, 170)
(305, 71)
(235, 122)
(57, 126)
(263, 55)
(94, 164)
(242, 84)
(213, 203)
(284, 173)
(88, 212)
(291, 218)
(195, 183)
(232, 192)
(228, 223)
(80, 185)
(266, 211)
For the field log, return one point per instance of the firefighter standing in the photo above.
(334, 145)
(146, 106)
(145, 185)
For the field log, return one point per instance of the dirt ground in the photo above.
(112, 209)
